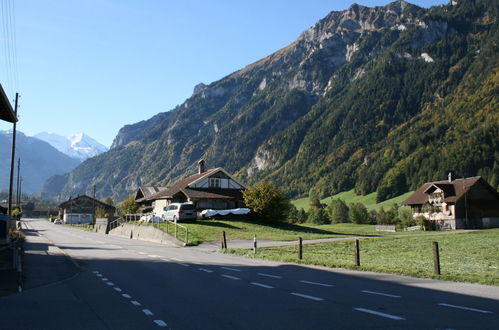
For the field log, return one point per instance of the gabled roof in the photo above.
(146, 192)
(97, 202)
(6, 111)
(169, 192)
(185, 186)
(453, 191)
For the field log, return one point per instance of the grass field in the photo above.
(465, 257)
(211, 230)
(349, 197)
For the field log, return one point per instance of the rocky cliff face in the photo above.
(318, 113)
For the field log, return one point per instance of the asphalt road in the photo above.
(140, 285)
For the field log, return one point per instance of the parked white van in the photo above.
(180, 211)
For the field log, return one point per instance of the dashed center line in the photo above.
(118, 289)
(205, 270)
(231, 277)
(270, 275)
(182, 264)
(262, 285)
(143, 253)
(161, 323)
(467, 308)
(389, 316)
(317, 283)
(104, 279)
(135, 302)
(98, 275)
(127, 296)
(306, 296)
(147, 312)
(380, 294)
(167, 260)
(232, 269)
(153, 256)
(110, 283)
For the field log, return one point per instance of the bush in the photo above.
(318, 216)
(267, 202)
(338, 211)
(302, 216)
(128, 206)
(358, 213)
(426, 224)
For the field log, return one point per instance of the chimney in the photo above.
(201, 166)
(450, 177)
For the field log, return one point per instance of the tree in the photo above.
(358, 213)
(108, 201)
(293, 214)
(318, 216)
(128, 206)
(302, 216)
(338, 211)
(267, 202)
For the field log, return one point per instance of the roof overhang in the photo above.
(6, 111)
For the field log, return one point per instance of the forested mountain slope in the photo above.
(376, 99)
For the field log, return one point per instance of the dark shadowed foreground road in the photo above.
(128, 284)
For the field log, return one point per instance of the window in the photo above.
(214, 183)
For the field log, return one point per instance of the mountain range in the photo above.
(376, 99)
(39, 161)
(79, 145)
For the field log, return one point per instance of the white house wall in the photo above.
(224, 184)
(158, 207)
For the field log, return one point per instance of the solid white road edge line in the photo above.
(306, 296)
(262, 285)
(231, 277)
(389, 316)
(380, 293)
(467, 308)
(316, 283)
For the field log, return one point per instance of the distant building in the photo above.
(208, 189)
(82, 209)
(457, 204)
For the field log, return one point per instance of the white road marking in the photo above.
(147, 312)
(181, 264)
(231, 277)
(316, 283)
(177, 259)
(127, 296)
(389, 316)
(167, 260)
(135, 302)
(205, 270)
(380, 293)
(153, 256)
(270, 275)
(232, 269)
(143, 253)
(110, 283)
(118, 289)
(104, 279)
(95, 272)
(306, 296)
(262, 285)
(467, 308)
(161, 323)
(98, 275)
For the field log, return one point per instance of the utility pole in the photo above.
(11, 183)
(18, 201)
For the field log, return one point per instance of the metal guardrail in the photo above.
(176, 231)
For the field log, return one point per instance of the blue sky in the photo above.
(94, 66)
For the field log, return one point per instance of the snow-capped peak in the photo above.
(78, 145)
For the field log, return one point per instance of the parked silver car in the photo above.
(180, 211)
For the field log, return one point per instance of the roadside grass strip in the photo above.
(380, 293)
(467, 308)
(306, 296)
(316, 283)
(231, 277)
(388, 316)
(262, 285)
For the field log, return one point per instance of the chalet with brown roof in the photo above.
(208, 189)
(82, 209)
(457, 204)
(142, 195)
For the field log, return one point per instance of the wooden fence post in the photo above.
(357, 253)
(436, 258)
(300, 248)
(254, 244)
(224, 240)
